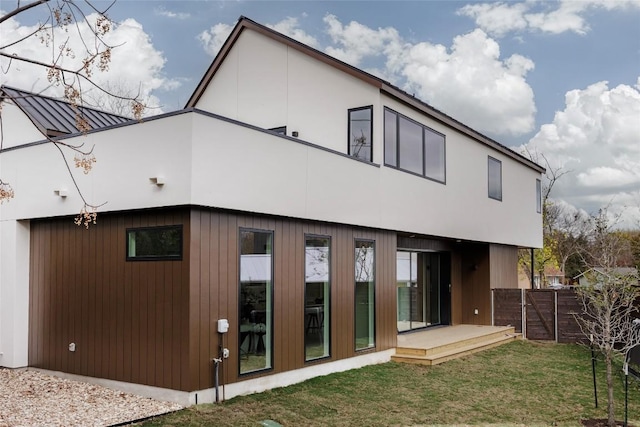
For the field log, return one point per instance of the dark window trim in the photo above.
(499, 198)
(424, 128)
(375, 341)
(304, 269)
(280, 130)
(538, 196)
(258, 230)
(155, 258)
(349, 111)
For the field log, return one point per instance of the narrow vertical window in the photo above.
(495, 179)
(538, 196)
(364, 294)
(411, 150)
(390, 138)
(256, 300)
(434, 155)
(361, 133)
(316, 294)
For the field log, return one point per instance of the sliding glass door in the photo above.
(419, 287)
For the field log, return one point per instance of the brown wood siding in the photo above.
(504, 266)
(476, 284)
(124, 317)
(214, 277)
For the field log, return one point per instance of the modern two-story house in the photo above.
(290, 221)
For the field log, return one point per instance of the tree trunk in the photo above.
(611, 422)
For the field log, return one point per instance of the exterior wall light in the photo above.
(157, 180)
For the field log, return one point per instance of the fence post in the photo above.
(523, 308)
(493, 295)
(555, 312)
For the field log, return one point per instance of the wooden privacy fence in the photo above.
(539, 314)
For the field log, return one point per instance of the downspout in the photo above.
(532, 270)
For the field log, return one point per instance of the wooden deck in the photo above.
(438, 345)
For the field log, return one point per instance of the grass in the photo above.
(521, 383)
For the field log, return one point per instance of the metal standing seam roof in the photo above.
(53, 115)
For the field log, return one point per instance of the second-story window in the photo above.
(538, 196)
(495, 179)
(361, 133)
(413, 147)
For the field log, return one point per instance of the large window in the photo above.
(361, 133)
(256, 300)
(365, 294)
(495, 178)
(414, 148)
(154, 243)
(538, 196)
(316, 294)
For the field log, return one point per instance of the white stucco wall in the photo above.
(238, 168)
(14, 293)
(267, 84)
(127, 157)
(17, 129)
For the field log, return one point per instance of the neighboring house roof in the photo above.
(54, 117)
(383, 85)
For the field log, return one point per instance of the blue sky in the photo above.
(561, 78)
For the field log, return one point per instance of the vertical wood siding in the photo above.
(504, 266)
(214, 289)
(126, 318)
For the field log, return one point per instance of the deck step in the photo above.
(444, 353)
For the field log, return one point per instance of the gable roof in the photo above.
(54, 117)
(377, 82)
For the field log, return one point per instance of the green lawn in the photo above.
(521, 383)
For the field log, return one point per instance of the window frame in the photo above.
(177, 257)
(349, 111)
(327, 304)
(423, 153)
(494, 161)
(271, 291)
(357, 240)
(538, 195)
(280, 130)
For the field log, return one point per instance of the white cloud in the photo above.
(473, 84)
(356, 41)
(468, 81)
(499, 18)
(597, 138)
(161, 11)
(213, 38)
(135, 66)
(290, 27)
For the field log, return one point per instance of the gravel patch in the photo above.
(31, 398)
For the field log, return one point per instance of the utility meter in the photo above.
(223, 326)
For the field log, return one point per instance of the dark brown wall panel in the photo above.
(215, 277)
(475, 285)
(504, 266)
(124, 317)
